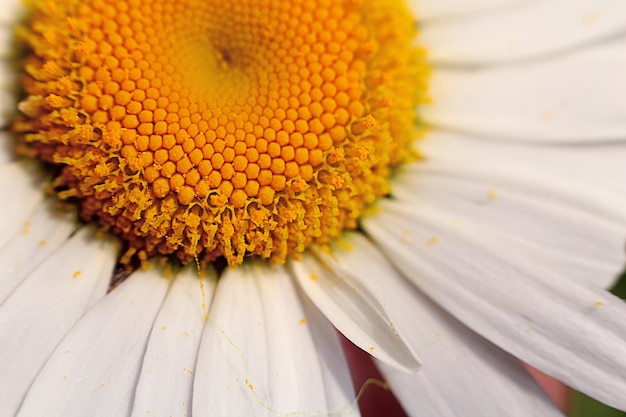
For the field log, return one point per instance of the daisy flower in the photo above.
(451, 201)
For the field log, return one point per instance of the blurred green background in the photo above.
(583, 406)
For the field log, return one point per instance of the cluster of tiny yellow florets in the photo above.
(209, 128)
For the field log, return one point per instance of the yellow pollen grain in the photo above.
(547, 115)
(209, 129)
(590, 18)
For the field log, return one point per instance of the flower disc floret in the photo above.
(221, 128)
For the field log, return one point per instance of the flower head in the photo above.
(209, 131)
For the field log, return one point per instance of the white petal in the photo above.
(20, 192)
(354, 310)
(94, 370)
(7, 105)
(257, 356)
(568, 98)
(573, 332)
(35, 318)
(454, 357)
(6, 141)
(7, 48)
(554, 203)
(338, 385)
(44, 231)
(595, 161)
(525, 30)
(434, 9)
(166, 379)
(11, 12)
(8, 93)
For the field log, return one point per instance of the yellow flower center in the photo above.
(207, 128)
